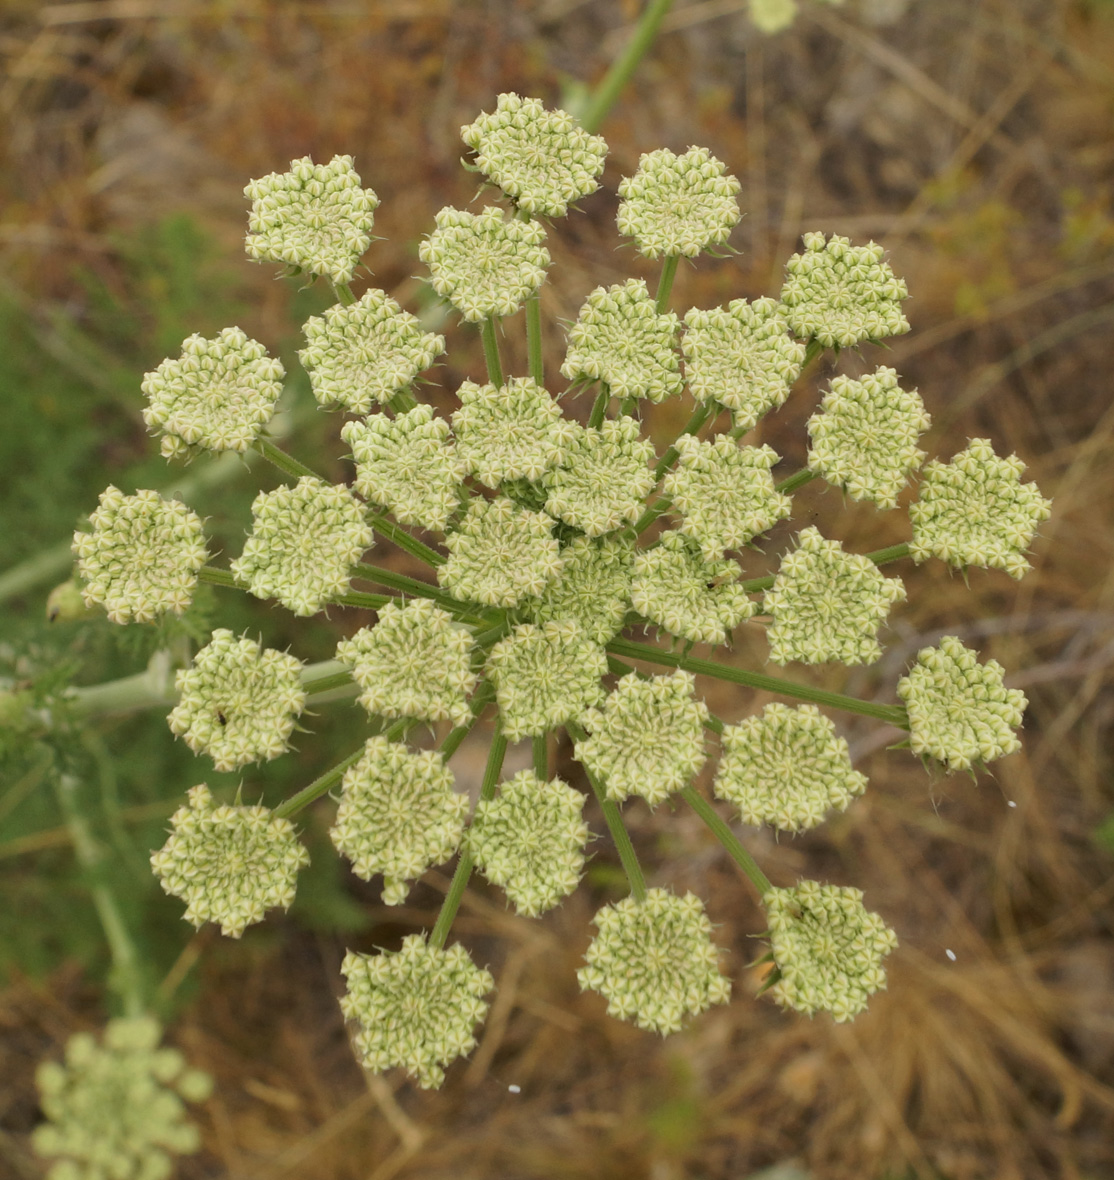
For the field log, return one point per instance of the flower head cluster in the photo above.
(483, 264)
(960, 711)
(827, 604)
(516, 431)
(315, 217)
(654, 961)
(677, 589)
(415, 662)
(741, 356)
(303, 544)
(115, 1110)
(724, 492)
(621, 339)
(593, 587)
(678, 204)
(142, 557)
(604, 479)
(230, 865)
(366, 352)
(530, 840)
(786, 768)
(500, 554)
(543, 160)
(544, 675)
(864, 439)
(408, 465)
(839, 294)
(238, 702)
(976, 511)
(828, 949)
(217, 396)
(648, 739)
(398, 815)
(416, 1007)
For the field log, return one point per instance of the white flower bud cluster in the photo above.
(500, 554)
(787, 768)
(542, 159)
(828, 949)
(976, 511)
(217, 396)
(960, 711)
(530, 840)
(654, 961)
(513, 432)
(864, 439)
(415, 662)
(724, 492)
(605, 477)
(678, 205)
(230, 865)
(416, 1007)
(483, 264)
(827, 604)
(398, 815)
(238, 702)
(839, 294)
(366, 352)
(544, 675)
(742, 357)
(648, 739)
(115, 1110)
(315, 217)
(677, 589)
(592, 589)
(621, 339)
(408, 465)
(303, 544)
(142, 557)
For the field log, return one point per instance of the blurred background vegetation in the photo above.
(975, 140)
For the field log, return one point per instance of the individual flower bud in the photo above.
(217, 396)
(304, 542)
(592, 589)
(960, 711)
(839, 294)
(542, 159)
(398, 815)
(415, 662)
(648, 739)
(66, 603)
(864, 439)
(827, 947)
(500, 554)
(604, 479)
(408, 465)
(142, 557)
(230, 865)
(771, 16)
(483, 264)
(238, 702)
(654, 961)
(678, 204)
(416, 1007)
(315, 217)
(544, 675)
(366, 352)
(530, 840)
(827, 604)
(787, 768)
(976, 511)
(621, 339)
(677, 589)
(115, 1110)
(516, 431)
(724, 492)
(742, 357)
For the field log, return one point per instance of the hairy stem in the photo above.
(599, 408)
(665, 282)
(491, 352)
(397, 535)
(728, 839)
(287, 464)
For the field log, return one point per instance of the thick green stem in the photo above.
(541, 756)
(287, 464)
(343, 293)
(599, 408)
(728, 839)
(491, 352)
(665, 282)
(797, 480)
(414, 586)
(534, 338)
(403, 402)
(216, 577)
(400, 537)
